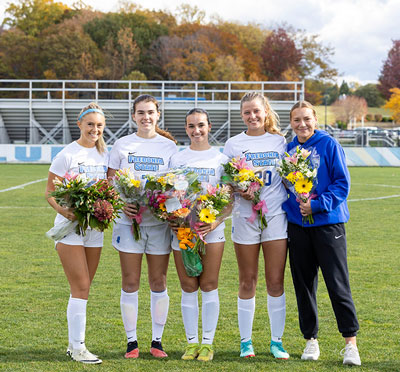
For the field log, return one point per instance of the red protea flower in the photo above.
(103, 210)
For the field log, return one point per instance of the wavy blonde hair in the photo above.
(100, 144)
(149, 98)
(271, 124)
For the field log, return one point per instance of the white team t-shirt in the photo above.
(207, 164)
(262, 154)
(143, 156)
(76, 159)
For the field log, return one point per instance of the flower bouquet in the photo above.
(95, 204)
(209, 206)
(131, 191)
(242, 177)
(171, 198)
(298, 170)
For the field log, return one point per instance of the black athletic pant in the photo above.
(324, 247)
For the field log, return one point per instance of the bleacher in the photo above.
(45, 112)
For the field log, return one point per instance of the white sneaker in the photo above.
(85, 356)
(69, 350)
(311, 352)
(350, 355)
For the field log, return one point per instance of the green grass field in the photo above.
(34, 292)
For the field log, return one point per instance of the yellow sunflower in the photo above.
(291, 177)
(206, 216)
(303, 186)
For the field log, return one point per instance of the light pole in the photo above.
(326, 96)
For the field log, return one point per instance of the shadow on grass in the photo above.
(55, 355)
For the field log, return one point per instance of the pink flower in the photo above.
(293, 159)
(70, 176)
(241, 164)
(305, 153)
(212, 190)
(254, 186)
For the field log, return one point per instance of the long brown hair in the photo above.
(100, 144)
(149, 98)
(302, 104)
(271, 124)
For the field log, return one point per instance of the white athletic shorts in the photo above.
(244, 232)
(155, 239)
(215, 236)
(92, 238)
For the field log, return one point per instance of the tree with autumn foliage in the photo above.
(34, 16)
(393, 104)
(350, 108)
(390, 74)
(279, 54)
(47, 39)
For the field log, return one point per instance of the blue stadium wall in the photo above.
(356, 156)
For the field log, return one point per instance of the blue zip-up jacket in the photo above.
(330, 206)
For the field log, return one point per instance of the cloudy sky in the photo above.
(360, 31)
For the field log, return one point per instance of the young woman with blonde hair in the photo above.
(80, 255)
(261, 145)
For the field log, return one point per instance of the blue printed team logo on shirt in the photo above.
(262, 159)
(203, 173)
(145, 163)
(93, 172)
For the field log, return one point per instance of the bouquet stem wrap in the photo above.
(190, 251)
(131, 191)
(259, 210)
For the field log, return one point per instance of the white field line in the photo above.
(377, 184)
(23, 185)
(377, 198)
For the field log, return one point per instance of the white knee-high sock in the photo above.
(69, 328)
(190, 315)
(76, 316)
(246, 310)
(159, 313)
(210, 314)
(129, 311)
(277, 316)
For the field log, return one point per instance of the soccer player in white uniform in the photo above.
(261, 145)
(207, 162)
(144, 152)
(79, 254)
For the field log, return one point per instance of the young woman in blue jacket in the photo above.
(323, 243)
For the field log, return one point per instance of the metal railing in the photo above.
(118, 95)
(104, 90)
